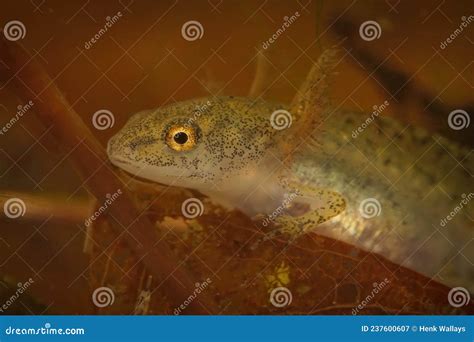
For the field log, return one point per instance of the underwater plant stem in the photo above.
(52, 208)
(31, 82)
(261, 75)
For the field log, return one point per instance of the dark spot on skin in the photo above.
(424, 140)
(142, 141)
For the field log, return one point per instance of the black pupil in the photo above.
(181, 138)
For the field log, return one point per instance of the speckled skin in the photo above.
(417, 178)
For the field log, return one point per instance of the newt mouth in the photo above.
(115, 157)
(119, 161)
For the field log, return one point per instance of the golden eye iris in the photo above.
(181, 138)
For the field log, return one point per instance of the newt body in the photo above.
(411, 179)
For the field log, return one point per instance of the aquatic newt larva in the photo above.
(385, 189)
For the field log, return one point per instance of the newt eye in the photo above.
(181, 137)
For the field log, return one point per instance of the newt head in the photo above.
(198, 143)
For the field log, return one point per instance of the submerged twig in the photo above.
(90, 160)
(51, 208)
(261, 74)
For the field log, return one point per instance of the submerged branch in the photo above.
(51, 208)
